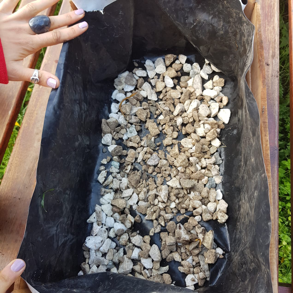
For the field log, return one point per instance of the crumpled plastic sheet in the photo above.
(71, 149)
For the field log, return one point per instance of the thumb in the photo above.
(10, 273)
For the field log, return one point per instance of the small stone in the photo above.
(153, 160)
(204, 110)
(174, 183)
(169, 82)
(141, 73)
(124, 239)
(187, 143)
(119, 228)
(222, 206)
(179, 108)
(219, 195)
(224, 115)
(182, 58)
(155, 253)
(94, 242)
(170, 58)
(106, 246)
(160, 85)
(147, 263)
(160, 66)
(210, 256)
(167, 279)
(209, 85)
(186, 67)
(197, 85)
(171, 227)
(137, 240)
(153, 128)
(216, 142)
(222, 217)
(190, 280)
(214, 107)
(187, 184)
(119, 203)
(212, 206)
(208, 239)
(126, 266)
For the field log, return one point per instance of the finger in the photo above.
(8, 6)
(10, 273)
(66, 19)
(33, 8)
(61, 35)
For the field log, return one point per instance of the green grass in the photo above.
(284, 152)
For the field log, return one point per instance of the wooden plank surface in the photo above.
(12, 95)
(264, 80)
(19, 181)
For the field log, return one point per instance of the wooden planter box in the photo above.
(19, 182)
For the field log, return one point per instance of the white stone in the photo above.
(208, 85)
(126, 266)
(151, 94)
(204, 75)
(111, 148)
(197, 218)
(107, 139)
(127, 192)
(147, 263)
(112, 233)
(187, 105)
(92, 218)
(222, 206)
(129, 88)
(155, 253)
(164, 193)
(219, 195)
(119, 228)
(225, 115)
(174, 183)
(200, 131)
(94, 242)
(179, 108)
(196, 68)
(152, 73)
(131, 131)
(187, 143)
(194, 105)
(107, 198)
(107, 208)
(114, 270)
(207, 69)
(182, 58)
(219, 251)
(197, 85)
(102, 177)
(190, 82)
(143, 93)
(214, 107)
(168, 81)
(149, 65)
(114, 108)
(124, 183)
(141, 73)
(210, 93)
(137, 240)
(186, 67)
(133, 200)
(106, 246)
(135, 254)
(212, 207)
(110, 222)
(218, 179)
(190, 280)
(179, 121)
(108, 181)
(160, 66)
(216, 142)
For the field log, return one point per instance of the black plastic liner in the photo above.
(71, 151)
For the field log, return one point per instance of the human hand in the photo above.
(19, 41)
(10, 273)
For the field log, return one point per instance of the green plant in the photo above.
(284, 152)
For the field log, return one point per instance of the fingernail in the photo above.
(83, 24)
(52, 83)
(79, 12)
(17, 265)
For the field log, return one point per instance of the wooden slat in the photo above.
(259, 90)
(19, 181)
(12, 95)
(270, 31)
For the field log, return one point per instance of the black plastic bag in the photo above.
(67, 189)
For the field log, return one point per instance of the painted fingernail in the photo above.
(83, 25)
(79, 12)
(17, 265)
(52, 83)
